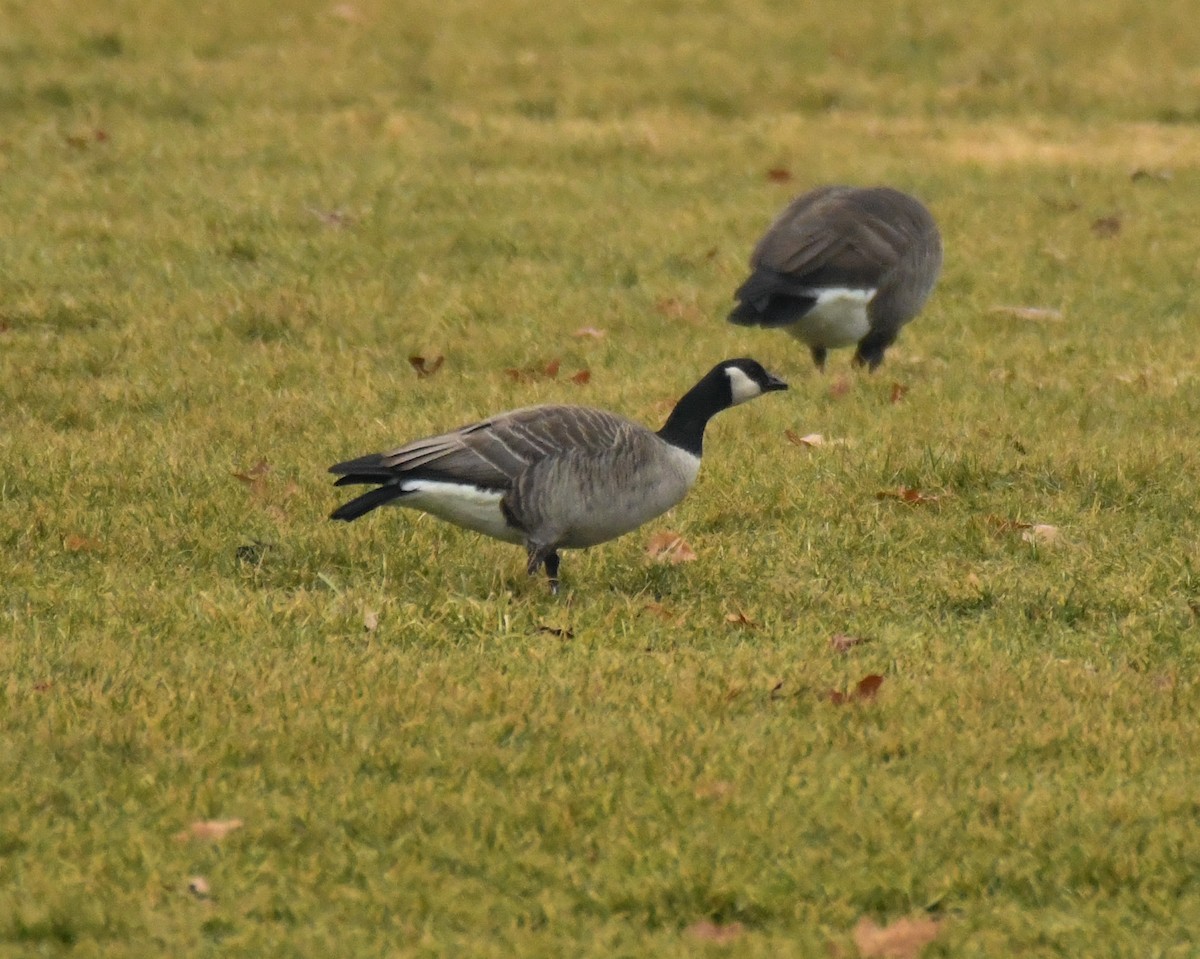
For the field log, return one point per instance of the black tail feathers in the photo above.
(368, 500)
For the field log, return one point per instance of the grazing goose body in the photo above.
(843, 265)
(554, 477)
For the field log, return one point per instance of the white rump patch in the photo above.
(741, 386)
(461, 504)
(839, 318)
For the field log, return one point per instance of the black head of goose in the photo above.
(554, 477)
(841, 266)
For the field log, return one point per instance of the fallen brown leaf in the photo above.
(562, 632)
(589, 331)
(907, 494)
(1040, 313)
(864, 691)
(898, 392)
(715, 932)
(1002, 525)
(902, 939)
(812, 439)
(1141, 173)
(582, 378)
(676, 309)
(779, 174)
(549, 371)
(718, 789)
(75, 543)
(841, 643)
(334, 219)
(213, 829)
(254, 475)
(198, 887)
(840, 387)
(426, 366)
(44, 686)
(740, 619)
(370, 620)
(668, 547)
(1041, 534)
(1107, 226)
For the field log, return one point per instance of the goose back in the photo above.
(491, 454)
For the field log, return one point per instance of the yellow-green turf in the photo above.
(225, 227)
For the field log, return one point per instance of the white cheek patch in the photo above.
(741, 386)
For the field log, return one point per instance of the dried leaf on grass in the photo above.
(812, 440)
(898, 392)
(589, 332)
(198, 887)
(670, 616)
(721, 934)
(334, 219)
(718, 789)
(841, 643)
(675, 309)
(668, 547)
(211, 829)
(1041, 534)
(902, 939)
(75, 543)
(426, 366)
(547, 371)
(562, 632)
(1043, 314)
(348, 12)
(1107, 226)
(864, 691)
(370, 620)
(840, 387)
(255, 477)
(1141, 173)
(1003, 525)
(779, 174)
(907, 494)
(740, 619)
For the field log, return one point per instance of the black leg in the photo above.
(543, 555)
(818, 354)
(552, 570)
(872, 347)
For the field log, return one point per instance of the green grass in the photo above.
(490, 771)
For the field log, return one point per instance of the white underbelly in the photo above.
(465, 506)
(839, 318)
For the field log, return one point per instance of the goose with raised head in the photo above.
(842, 266)
(554, 477)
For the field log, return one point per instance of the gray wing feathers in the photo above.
(495, 452)
(838, 236)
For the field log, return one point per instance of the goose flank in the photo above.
(554, 477)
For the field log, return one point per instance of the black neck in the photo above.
(685, 426)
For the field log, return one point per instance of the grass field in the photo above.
(223, 231)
